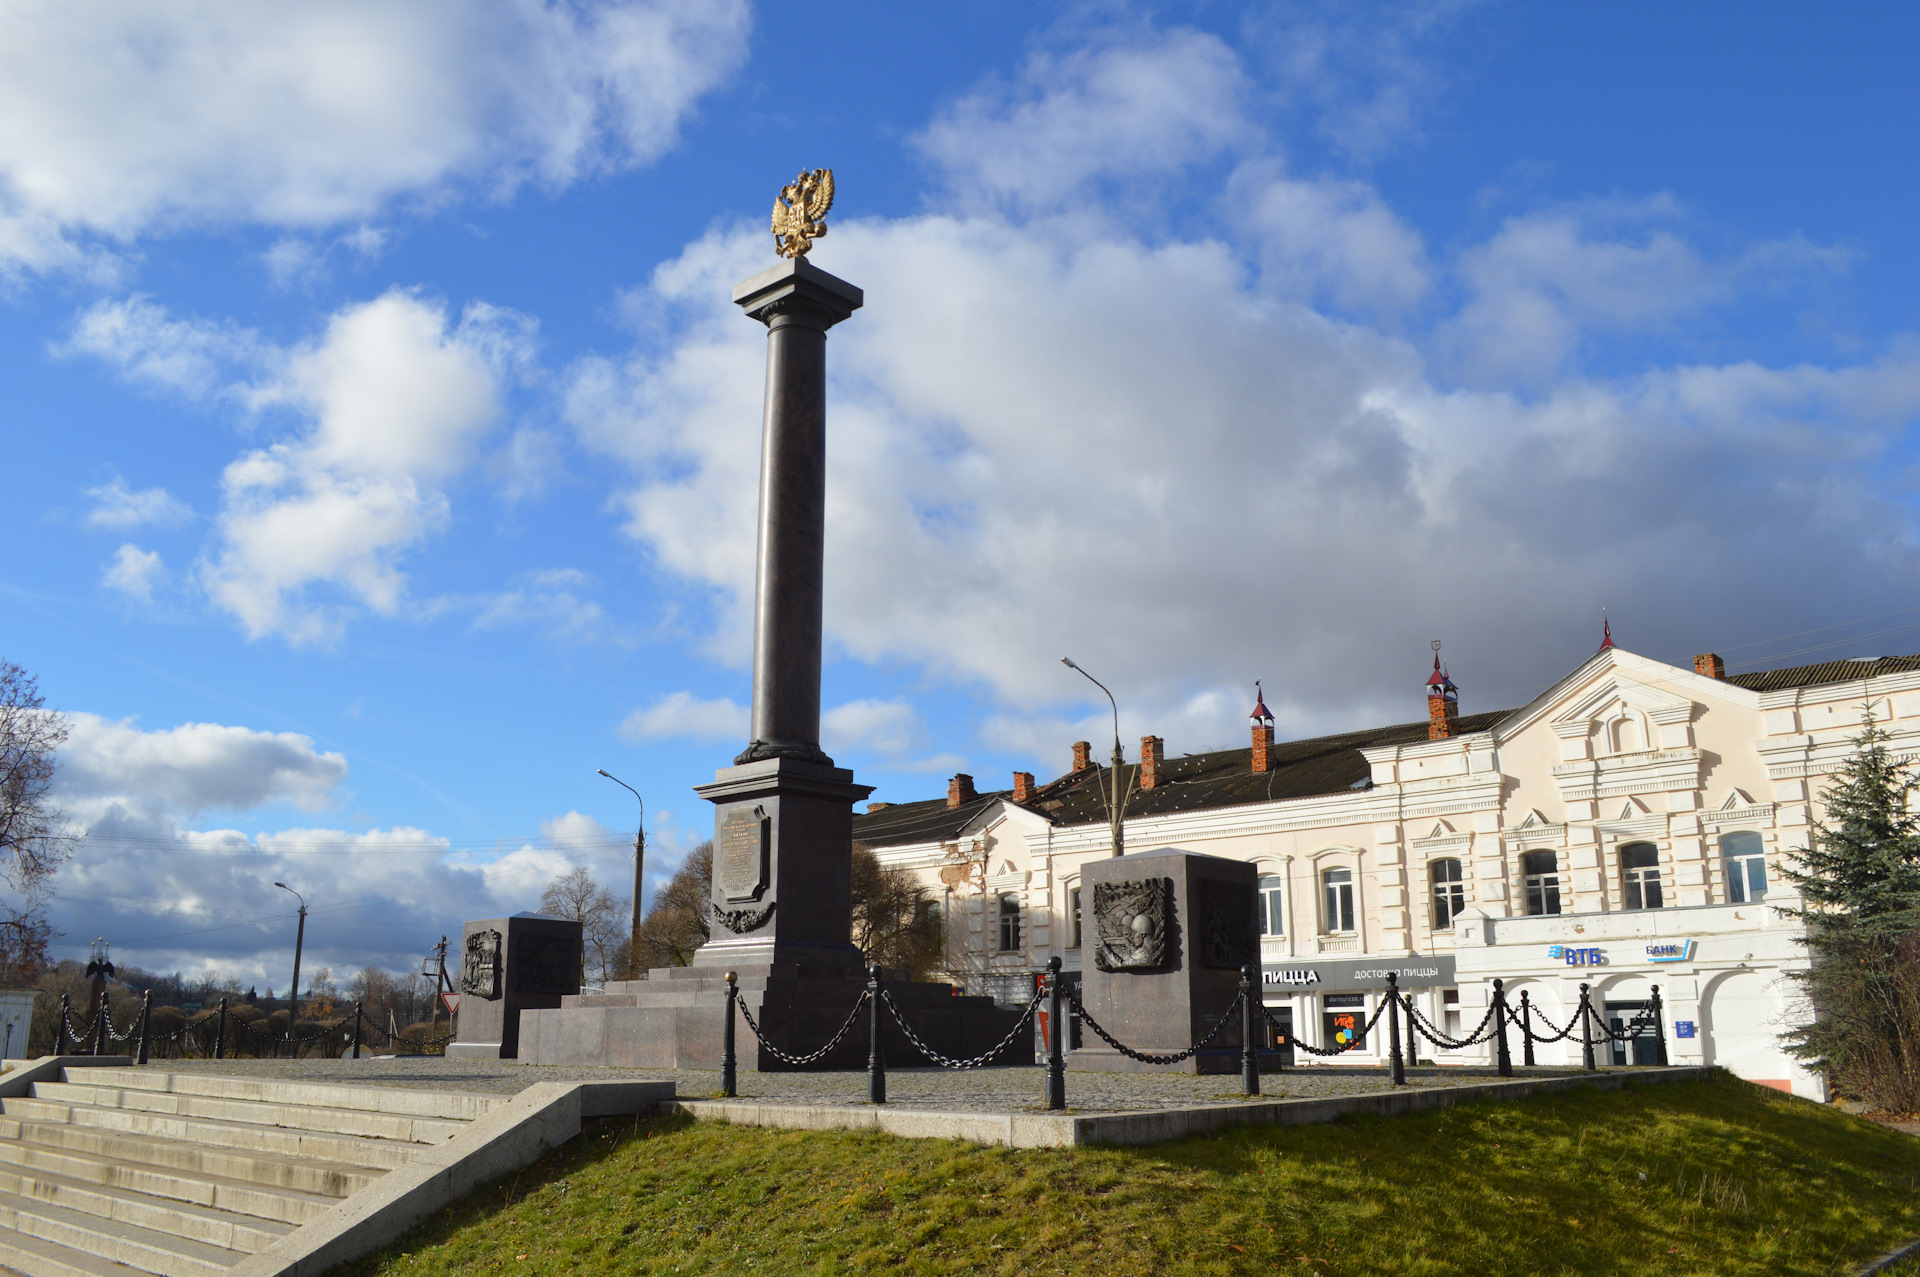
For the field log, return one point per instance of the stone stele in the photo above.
(508, 966)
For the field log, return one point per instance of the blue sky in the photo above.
(384, 441)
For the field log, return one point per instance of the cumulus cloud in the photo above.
(1135, 448)
(683, 715)
(118, 120)
(552, 599)
(134, 572)
(117, 506)
(145, 344)
(192, 768)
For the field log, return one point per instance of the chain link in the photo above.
(1440, 1039)
(1287, 1038)
(1142, 1056)
(778, 1054)
(1527, 1029)
(945, 1062)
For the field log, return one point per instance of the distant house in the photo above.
(1624, 829)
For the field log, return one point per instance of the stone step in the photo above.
(141, 1248)
(239, 1196)
(265, 1169)
(33, 1257)
(459, 1106)
(354, 1150)
(177, 1219)
(336, 1121)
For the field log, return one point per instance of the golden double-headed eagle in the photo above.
(799, 212)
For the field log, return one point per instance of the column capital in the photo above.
(798, 288)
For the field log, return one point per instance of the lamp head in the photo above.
(1068, 662)
(284, 885)
(603, 772)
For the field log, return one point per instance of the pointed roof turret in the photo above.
(1440, 684)
(1261, 714)
(1606, 632)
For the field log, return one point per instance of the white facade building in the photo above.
(1625, 829)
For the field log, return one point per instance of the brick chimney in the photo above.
(1082, 757)
(1443, 702)
(1262, 717)
(1153, 753)
(960, 790)
(1023, 787)
(1710, 664)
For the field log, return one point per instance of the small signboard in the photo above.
(453, 1002)
(1683, 1028)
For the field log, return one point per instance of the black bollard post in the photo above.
(1056, 1038)
(1526, 1026)
(146, 1019)
(1393, 1029)
(876, 1053)
(1413, 1037)
(728, 1068)
(1586, 1031)
(1502, 1054)
(1249, 1042)
(220, 1034)
(1659, 1031)
(60, 1040)
(102, 1026)
(356, 1030)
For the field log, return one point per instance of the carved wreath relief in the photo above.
(1226, 924)
(480, 970)
(1131, 921)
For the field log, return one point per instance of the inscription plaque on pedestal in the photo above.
(740, 860)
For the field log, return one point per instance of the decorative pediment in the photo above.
(1662, 707)
(1735, 799)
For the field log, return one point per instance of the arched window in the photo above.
(1339, 885)
(1449, 893)
(1270, 907)
(1640, 874)
(1540, 873)
(1745, 855)
(1009, 922)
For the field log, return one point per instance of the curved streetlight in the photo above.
(639, 861)
(1117, 802)
(299, 940)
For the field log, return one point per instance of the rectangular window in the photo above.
(1339, 884)
(1343, 1019)
(1268, 908)
(1540, 872)
(1449, 893)
(1073, 918)
(1009, 922)
(1450, 999)
(1640, 874)
(1744, 855)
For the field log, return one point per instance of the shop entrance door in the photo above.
(1343, 1019)
(1645, 1047)
(1270, 1036)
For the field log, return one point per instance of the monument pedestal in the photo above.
(1170, 931)
(508, 967)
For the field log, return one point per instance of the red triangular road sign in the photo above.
(453, 1002)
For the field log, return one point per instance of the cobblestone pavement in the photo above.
(992, 1090)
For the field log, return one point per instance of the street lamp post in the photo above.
(1117, 801)
(639, 861)
(299, 941)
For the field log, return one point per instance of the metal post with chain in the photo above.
(146, 1019)
(220, 1035)
(1526, 1026)
(1413, 1038)
(727, 1066)
(1056, 1034)
(356, 1030)
(1586, 1031)
(1249, 1051)
(1502, 1054)
(876, 1053)
(60, 1040)
(1659, 1030)
(1393, 1029)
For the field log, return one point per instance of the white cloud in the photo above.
(1329, 240)
(552, 599)
(191, 768)
(681, 714)
(116, 506)
(887, 727)
(118, 120)
(1134, 108)
(147, 345)
(134, 572)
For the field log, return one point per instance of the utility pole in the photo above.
(293, 994)
(1117, 803)
(639, 861)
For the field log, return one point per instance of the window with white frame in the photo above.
(1449, 892)
(1339, 898)
(1745, 857)
(1073, 917)
(1640, 875)
(1540, 876)
(1269, 906)
(1009, 922)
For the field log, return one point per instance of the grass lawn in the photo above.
(1714, 1177)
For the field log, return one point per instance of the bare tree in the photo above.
(895, 922)
(34, 838)
(678, 922)
(576, 895)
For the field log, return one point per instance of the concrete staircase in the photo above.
(125, 1170)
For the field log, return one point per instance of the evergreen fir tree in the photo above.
(1860, 880)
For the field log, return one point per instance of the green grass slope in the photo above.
(1716, 1177)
